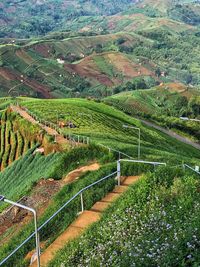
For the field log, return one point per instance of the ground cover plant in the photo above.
(155, 224)
(64, 218)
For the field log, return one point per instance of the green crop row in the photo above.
(15, 139)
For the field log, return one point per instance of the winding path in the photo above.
(171, 134)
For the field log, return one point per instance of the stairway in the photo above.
(84, 220)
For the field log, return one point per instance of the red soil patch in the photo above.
(127, 67)
(42, 49)
(88, 69)
(40, 88)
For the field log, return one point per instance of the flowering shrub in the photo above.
(153, 224)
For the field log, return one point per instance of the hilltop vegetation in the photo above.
(40, 17)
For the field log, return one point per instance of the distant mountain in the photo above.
(28, 18)
(24, 18)
(89, 48)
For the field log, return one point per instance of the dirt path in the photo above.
(59, 138)
(83, 221)
(74, 175)
(171, 133)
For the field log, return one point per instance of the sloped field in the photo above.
(16, 137)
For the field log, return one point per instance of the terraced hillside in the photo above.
(69, 67)
(165, 105)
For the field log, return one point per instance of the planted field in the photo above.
(164, 105)
(104, 124)
(17, 136)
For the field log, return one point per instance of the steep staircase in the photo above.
(83, 221)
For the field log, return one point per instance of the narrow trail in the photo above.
(75, 174)
(171, 134)
(59, 138)
(83, 221)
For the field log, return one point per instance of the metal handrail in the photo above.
(145, 162)
(135, 161)
(189, 167)
(119, 152)
(58, 211)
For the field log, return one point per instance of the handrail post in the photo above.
(183, 167)
(118, 172)
(37, 239)
(82, 206)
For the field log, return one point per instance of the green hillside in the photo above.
(40, 17)
(165, 105)
(104, 124)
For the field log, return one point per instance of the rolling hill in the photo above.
(96, 53)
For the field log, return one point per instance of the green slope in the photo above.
(158, 213)
(104, 124)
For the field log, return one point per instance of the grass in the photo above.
(68, 214)
(156, 223)
(19, 178)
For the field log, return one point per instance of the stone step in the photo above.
(86, 218)
(130, 180)
(100, 206)
(110, 197)
(120, 189)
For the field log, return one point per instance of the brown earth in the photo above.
(88, 68)
(36, 86)
(24, 56)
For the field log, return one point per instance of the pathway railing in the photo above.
(135, 161)
(74, 138)
(79, 193)
(190, 168)
(120, 153)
